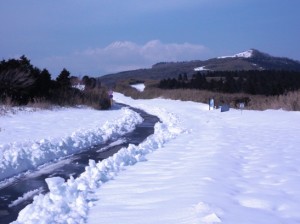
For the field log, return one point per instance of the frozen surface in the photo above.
(199, 166)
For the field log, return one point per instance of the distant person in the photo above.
(110, 95)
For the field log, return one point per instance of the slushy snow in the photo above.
(199, 166)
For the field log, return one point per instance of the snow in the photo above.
(79, 86)
(245, 54)
(199, 166)
(140, 86)
(30, 139)
(202, 68)
(26, 196)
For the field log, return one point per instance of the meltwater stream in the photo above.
(72, 165)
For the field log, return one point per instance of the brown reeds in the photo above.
(289, 101)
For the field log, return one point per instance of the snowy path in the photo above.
(199, 166)
(229, 168)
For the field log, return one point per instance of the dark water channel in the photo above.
(72, 165)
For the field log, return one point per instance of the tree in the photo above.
(43, 84)
(230, 84)
(16, 84)
(185, 78)
(180, 78)
(64, 80)
(25, 63)
(90, 82)
(198, 81)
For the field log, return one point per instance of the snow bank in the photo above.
(16, 157)
(69, 202)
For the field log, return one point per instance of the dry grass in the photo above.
(41, 103)
(91, 98)
(6, 105)
(289, 101)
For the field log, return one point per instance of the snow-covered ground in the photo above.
(140, 86)
(31, 138)
(199, 166)
(245, 54)
(202, 68)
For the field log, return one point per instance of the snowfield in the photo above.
(199, 166)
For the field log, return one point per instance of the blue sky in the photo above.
(97, 37)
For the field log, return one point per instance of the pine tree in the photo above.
(64, 80)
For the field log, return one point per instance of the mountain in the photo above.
(248, 60)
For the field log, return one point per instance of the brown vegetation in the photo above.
(289, 101)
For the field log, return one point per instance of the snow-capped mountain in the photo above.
(247, 60)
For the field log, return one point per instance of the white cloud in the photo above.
(121, 56)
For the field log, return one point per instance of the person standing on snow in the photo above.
(110, 95)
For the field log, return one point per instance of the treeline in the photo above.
(265, 82)
(22, 83)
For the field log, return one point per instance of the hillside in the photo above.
(248, 60)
